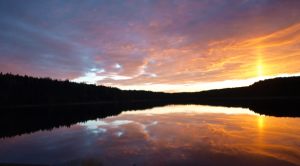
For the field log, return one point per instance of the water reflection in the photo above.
(170, 135)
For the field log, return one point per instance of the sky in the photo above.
(156, 45)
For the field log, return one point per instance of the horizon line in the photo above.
(198, 87)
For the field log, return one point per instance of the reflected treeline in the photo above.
(29, 104)
(17, 121)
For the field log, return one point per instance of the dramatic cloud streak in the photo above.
(156, 45)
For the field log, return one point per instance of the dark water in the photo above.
(169, 135)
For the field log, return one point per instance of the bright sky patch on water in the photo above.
(169, 135)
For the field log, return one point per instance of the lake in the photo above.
(167, 135)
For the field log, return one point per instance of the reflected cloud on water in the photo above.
(170, 135)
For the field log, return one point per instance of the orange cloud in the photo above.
(268, 55)
(277, 53)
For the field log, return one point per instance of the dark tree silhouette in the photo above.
(29, 104)
(24, 90)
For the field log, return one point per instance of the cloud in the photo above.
(132, 43)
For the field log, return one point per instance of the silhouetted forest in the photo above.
(283, 87)
(24, 90)
(30, 104)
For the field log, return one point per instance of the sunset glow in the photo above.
(260, 69)
(260, 122)
(152, 45)
(150, 82)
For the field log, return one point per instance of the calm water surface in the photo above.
(170, 135)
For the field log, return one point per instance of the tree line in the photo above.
(26, 90)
